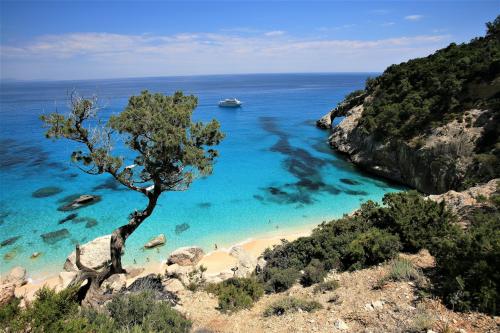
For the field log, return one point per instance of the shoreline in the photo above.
(216, 261)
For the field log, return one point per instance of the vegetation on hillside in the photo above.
(411, 98)
(466, 260)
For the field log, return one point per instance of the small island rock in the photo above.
(157, 241)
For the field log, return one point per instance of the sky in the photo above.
(67, 40)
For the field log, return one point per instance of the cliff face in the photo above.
(432, 163)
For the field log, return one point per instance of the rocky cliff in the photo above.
(432, 163)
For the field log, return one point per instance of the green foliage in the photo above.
(59, 312)
(372, 247)
(236, 293)
(313, 273)
(417, 221)
(279, 279)
(290, 304)
(468, 265)
(141, 313)
(323, 287)
(412, 98)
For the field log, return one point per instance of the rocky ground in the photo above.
(356, 306)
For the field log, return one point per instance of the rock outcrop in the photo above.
(16, 276)
(462, 203)
(157, 241)
(7, 293)
(246, 263)
(433, 163)
(186, 256)
(94, 254)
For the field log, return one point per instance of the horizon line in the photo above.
(14, 80)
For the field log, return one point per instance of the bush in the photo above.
(401, 269)
(196, 278)
(469, 278)
(314, 272)
(278, 280)
(141, 313)
(323, 287)
(236, 293)
(372, 247)
(290, 304)
(419, 222)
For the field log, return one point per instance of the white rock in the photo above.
(369, 307)
(157, 241)
(16, 276)
(7, 293)
(173, 285)
(179, 272)
(186, 256)
(115, 282)
(246, 263)
(94, 254)
(341, 325)
(378, 305)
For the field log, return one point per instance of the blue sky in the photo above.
(109, 39)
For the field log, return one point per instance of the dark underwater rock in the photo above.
(68, 218)
(90, 223)
(82, 201)
(349, 181)
(180, 228)
(9, 241)
(55, 236)
(46, 192)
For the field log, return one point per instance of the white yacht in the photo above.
(230, 103)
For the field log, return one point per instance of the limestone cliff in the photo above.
(434, 162)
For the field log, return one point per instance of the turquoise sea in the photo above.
(275, 170)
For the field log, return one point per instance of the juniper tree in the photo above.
(169, 152)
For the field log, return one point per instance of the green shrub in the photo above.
(9, 313)
(236, 293)
(277, 280)
(418, 222)
(290, 304)
(141, 313)
(313, 273)
(469, 278)
(196, 278)
(371, 247)
(323, 287)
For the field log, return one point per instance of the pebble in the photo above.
(341, 325)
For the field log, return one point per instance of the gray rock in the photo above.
(246, 263)
(65, 279)
(186, 256)
(173, 285)
(94, 254)
(157, 241)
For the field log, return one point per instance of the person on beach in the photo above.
(215, 245)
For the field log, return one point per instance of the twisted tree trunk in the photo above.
(90, 293)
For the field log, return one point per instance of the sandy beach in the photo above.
(216, 261)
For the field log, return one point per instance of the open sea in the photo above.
(275, 170)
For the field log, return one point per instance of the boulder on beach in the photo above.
(82, 201)
(186, 256)
(94, 254)
(246, 263)
(7, 293)
(16, 276)
(157, 241)
(65, 279)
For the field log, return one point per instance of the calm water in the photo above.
(275, 171)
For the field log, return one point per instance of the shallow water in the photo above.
(275, 170)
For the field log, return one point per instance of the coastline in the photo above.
(216, 261)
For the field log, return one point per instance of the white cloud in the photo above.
(106, 55)
(414, 17)
(388, 24)
(274, 33)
